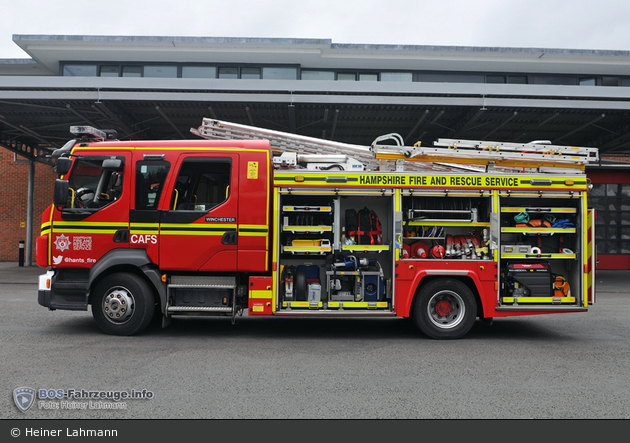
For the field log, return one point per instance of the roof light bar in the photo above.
(93, 133)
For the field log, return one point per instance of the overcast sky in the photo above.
(572, 24)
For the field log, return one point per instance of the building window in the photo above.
(612, 227)
(132, 71)
(513, 79)
(250, 73)
(160, 71)
(109, 71)
(346, 76)
(517, 79)
(495, 78)
(228, 72)
(318, 75)
(279, 73)
(610, 81)
(368, 77)
(199, 72)
(554, 80)
(587, 81)
(79, 70)
(396, 76)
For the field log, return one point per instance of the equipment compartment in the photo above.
(335, 253)
(540, 249)
(443, 225)
(306, 230)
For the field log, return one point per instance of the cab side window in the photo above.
(150, 177)
(202, 184)
(93, 186)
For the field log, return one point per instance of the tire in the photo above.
(444, 309)
(300, 286)
(123, 304)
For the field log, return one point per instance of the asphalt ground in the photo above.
(567, 366)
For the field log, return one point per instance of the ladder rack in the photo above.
(445, 154)
(542, 156)
(284, 141)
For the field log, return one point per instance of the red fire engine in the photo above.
(275, 224)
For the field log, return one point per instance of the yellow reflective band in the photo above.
(563, 300)
(451, 181)
(358, 304)
(192, 226)
(443, 223)
(260, 294)
(366, 248)
(563, 210)
(185, 232)
(253, 230)
(306, 248)
(144, 228)
(69, 227)
(45, 229)
(541, 230)
(301, 304)
(558, 255)
(196, 229)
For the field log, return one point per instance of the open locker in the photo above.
(335, 252)
(446, 225)
(541, 249)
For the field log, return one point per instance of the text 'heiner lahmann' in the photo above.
(80, 432)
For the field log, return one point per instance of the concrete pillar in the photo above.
(29, 213)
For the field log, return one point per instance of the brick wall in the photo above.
(617, 157)
(14, 200)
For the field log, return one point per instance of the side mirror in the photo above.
(112, 163)
(63, 165)
(60, 198)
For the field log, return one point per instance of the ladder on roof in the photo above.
(541, 157)
(283, 141)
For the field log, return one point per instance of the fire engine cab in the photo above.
(274, 224)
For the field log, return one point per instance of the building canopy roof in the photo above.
(37, 104)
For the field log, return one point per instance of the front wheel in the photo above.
(123, 304)
(445, 309)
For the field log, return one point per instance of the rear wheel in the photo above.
(123, 304)
(445, 309)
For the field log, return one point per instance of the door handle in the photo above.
(121, 236)
(229, 238)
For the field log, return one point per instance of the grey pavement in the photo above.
(12, 273)
(608, 281)
(541, 367)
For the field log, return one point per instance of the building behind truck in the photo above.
(275, 224)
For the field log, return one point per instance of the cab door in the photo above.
(198, 225)
(96, 217)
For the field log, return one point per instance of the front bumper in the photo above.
(67, 295)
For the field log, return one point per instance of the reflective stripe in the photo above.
(253, 230)
(66, 227)
(196, 229)
(260, 294)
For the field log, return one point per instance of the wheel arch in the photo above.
(135, 261)
(465, 279)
